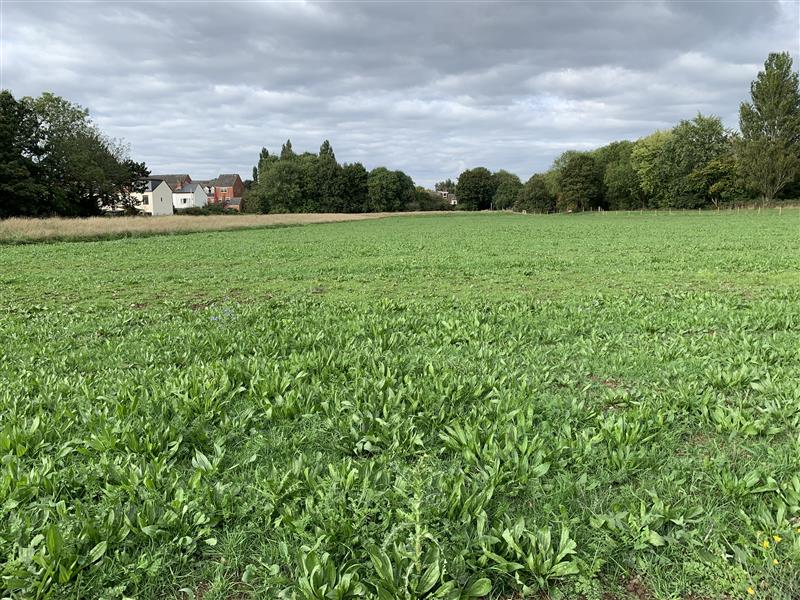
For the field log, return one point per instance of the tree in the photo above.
(507, 187)
(310, 186)
(611, 153)
(354, 188)
(428, 200)
(448, 185)
(535, 196)
(692, 145)
(648, 160)
(286, 151)
(281, 187)
(134, 181)
(328, 179)
(77, 168)
(475, 189)
(622, 187)
(718, 181)
(581, 183)
(388, 191)
(552, 176)
(326, 151)
(20, 188)
(769, 153)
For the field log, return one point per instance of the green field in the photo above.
(500, 406)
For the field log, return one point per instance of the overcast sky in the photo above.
(429, 88)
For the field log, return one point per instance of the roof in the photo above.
(151, 183)
(226, 180)
(173, 181)
(189, 188)
(234, 202)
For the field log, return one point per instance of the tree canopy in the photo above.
(475, 189)
(55, 161)
(309, 182)
(769, 152)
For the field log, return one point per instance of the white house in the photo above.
(191, 195)
(449, 196)
(156, 199)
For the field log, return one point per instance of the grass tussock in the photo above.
(22, 231)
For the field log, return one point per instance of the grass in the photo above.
(23, 231)
(464, 405)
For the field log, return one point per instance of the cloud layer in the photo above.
(430, 88)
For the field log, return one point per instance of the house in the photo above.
(175, 182)
(155, 199)
(234, 204)
(227, 189)
(449, 196)
(190, 195)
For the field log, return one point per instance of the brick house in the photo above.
(227, 189)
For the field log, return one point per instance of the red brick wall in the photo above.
(234, 191)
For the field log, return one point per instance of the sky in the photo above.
(431, 88)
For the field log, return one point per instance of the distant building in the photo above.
(155, 199)
(175, 182)
(449, 196)
(227, 189)
(190, 195)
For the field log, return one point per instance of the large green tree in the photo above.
(535, 196)
(648, 158)
(448, 185)
(389, 191)
(769, 153)
(581, 183)
(354, 188)
(428, 200)
(718, 181)
(475, 189)
(328, 180)
(691, 147)
(507, 187)
(20, 185)
(287, 152)
(57, 161)
(280, 187)
(621, 186)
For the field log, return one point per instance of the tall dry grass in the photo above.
(59, 229)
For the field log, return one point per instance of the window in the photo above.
(184, 200)
(145, 199)
(223, 190)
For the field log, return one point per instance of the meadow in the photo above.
(451, 406)
(28, 230)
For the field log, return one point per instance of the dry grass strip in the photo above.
(20, 231)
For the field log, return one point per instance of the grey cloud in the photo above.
(427, 87)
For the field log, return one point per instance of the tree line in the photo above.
(698, 163)
(308, 182)
(55, 161)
